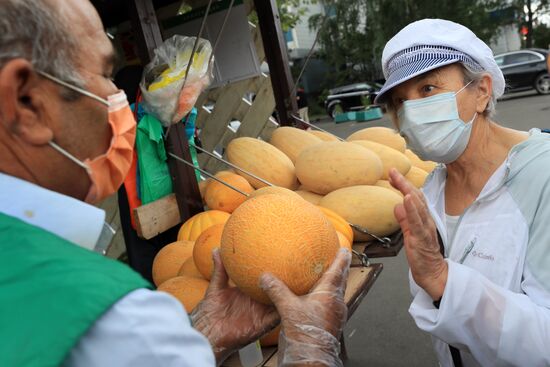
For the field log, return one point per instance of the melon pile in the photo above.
(294, 228)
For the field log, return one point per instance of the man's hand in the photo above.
(312, 324)
(229, 318)
(428, 267)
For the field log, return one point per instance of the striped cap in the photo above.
(429, 44)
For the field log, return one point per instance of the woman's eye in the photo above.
(428, 88)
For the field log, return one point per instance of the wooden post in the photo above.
(277, 58)
(148, 37)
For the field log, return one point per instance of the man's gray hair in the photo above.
(33, 30)
(475, 76)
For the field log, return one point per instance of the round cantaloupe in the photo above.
(427, 166)
(382, 135)
(188, 268)
(279, 234)
(220, 197)
(386, 184)
(273, 190)
(339, 223)
(417, 176)
(292, 141)
(367, 206)
(263, 160)
(330, 166)
(271, 339)
(390, 157)
(343, 241)
(188, 290)
(323, 135)
(310, 196)
(203, 185)
(194, 226)
(209, 240)
(169, 260)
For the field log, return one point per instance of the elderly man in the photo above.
(66, 136)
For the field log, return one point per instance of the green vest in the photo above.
(51, 293)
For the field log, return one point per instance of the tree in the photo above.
(353, 38)
(541, 36)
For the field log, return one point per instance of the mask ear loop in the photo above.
(70, 156)
(464, 87)
(75, 88)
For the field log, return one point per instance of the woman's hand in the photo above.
(428, 267)
(312, 324)
(229, 318)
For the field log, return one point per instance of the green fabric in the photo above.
(154, 175)
(51, 293)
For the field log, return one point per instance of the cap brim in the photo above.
(409, 71)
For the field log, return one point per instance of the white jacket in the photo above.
(496, 304)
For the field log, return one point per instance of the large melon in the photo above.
(189, 291)
(417, 176)
(390, 157)
(427, 166)
(188, 268)
(273, 190)
(330, 166)
(344, 242)
(169, 260)
(339, 223)
(279, 234)
(263, 160)
(310, 196)
(221, 197)
(382, 135)
(292, 141)
(323, 135)
(194, 226)
(367, 206)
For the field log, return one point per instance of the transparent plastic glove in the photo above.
(312, 324)
(229, 318)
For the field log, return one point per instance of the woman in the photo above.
(476, 238)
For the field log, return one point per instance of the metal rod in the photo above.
(384, 240)
(362, 257)
(207, 174)
(309, 55)
(220, 32)
(231, 165)
(201, 29)
(315, 127)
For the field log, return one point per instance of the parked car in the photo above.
(525, 69)
(350, 97)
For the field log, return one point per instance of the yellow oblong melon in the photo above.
(417, 176)
(382, 135)
(427, 166)
(391, 158)
(387, 185)
(330, 166)
(367, 206)
(264, 160)
(310, 196)
(292, 141)
(323, 135)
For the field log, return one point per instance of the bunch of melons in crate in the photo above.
(295, 228)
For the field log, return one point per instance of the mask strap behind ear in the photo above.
(464, 87)
(72, 87)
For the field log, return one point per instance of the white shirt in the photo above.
(451, 221)
(143, 329)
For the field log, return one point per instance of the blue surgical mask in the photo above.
(433, 128)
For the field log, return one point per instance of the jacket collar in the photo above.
(64, 216)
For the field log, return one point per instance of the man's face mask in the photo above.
(433, 128)
(107, 171)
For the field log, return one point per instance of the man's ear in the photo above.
(485, 88)
(22, 102)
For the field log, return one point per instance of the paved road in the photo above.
(381, 332)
